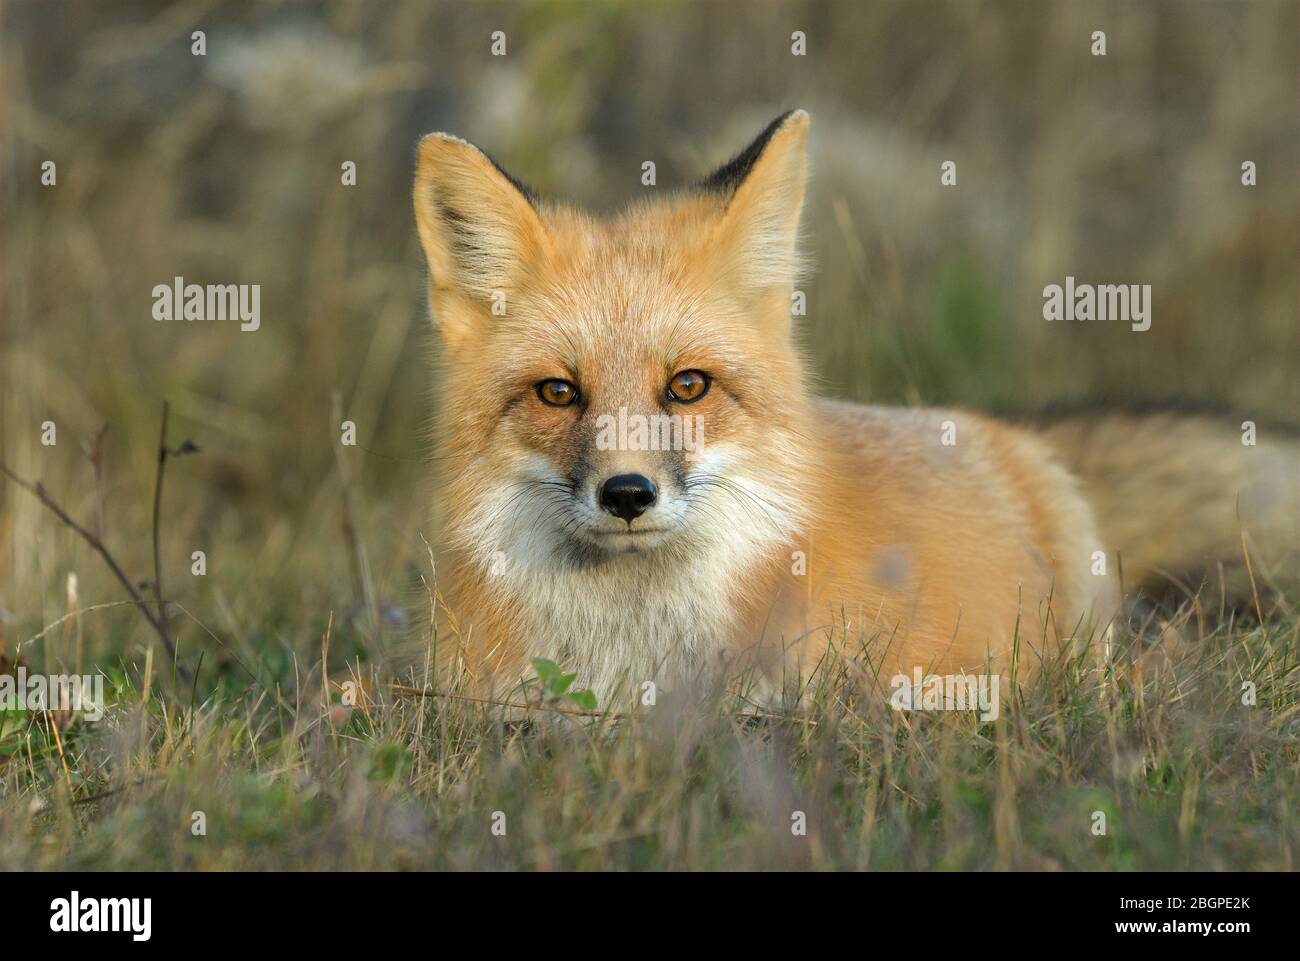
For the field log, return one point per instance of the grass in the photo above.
(1186, 775)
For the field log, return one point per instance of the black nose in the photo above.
(627, 496)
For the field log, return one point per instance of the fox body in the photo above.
(784, 524)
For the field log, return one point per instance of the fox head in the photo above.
(624, 389)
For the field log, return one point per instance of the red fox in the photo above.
(639, 484)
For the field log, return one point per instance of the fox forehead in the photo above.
(629, 291)
(641, 272)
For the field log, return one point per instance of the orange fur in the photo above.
(804, 523)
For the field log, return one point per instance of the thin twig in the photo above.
(38, 490)
(157, 552)
(64, 619)
(405, 690)
(91, 799)
(223, 645)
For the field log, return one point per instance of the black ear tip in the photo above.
(733, 173)
(528, 192)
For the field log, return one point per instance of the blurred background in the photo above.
(226, 168)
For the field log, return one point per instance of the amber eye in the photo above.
(688, 386)
(557, 393)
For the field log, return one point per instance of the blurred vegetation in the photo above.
(226, 169)
(1187, 776)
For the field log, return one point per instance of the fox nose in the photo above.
(627, 496)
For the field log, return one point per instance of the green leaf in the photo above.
(545, 669)
(562, 683)
(584, 699)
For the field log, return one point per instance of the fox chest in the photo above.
(621, 633)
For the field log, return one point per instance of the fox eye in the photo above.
(688, 386)
(557, 393)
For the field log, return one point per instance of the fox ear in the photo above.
(478, 225)
(762, 192)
